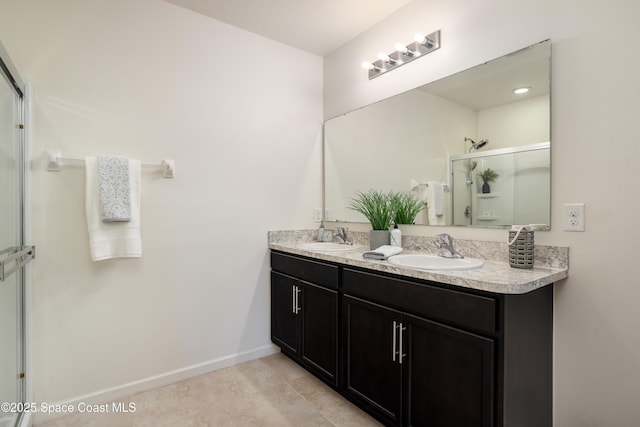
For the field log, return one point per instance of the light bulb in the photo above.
(401, 48)
(521, 90)
(370, 66)
(423, 40)
(384, 57)
(405, 50)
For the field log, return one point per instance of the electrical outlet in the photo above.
(573, 217)
(317, 214)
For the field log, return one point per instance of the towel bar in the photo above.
(56, 161)
(20, 255)
(414, 184)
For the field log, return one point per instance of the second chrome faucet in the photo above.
(445, 241)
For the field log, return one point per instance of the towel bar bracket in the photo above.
(15, 258)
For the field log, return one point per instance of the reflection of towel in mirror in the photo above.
(419, 189)
(435, 203)
(112, 239)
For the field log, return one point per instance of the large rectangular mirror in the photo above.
(420, 138)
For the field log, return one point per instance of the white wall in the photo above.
(240, 114)
(515, 124)
(364, 148)
(595, 152)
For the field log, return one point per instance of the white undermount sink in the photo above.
(434, 262)
(326, 246)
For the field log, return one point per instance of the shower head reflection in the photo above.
(476, 145)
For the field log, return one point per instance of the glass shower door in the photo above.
(12, 392)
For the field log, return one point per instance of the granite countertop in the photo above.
(495, 276)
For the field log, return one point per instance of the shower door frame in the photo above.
(11, 75)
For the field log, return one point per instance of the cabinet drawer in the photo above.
(450, 306)
(305, 269)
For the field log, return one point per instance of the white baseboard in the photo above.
(124, 390)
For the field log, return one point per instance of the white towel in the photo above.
(420, 190)
(112, 239)
(383, 252)
(435, 204)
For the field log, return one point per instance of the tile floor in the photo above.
(272, 391)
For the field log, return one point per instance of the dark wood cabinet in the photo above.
(304, 317)
(414, 352)
(372, 359)
(448, 376)
(284, 316)
(411, 371)
(319, 330)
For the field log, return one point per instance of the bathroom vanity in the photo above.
(411, 350)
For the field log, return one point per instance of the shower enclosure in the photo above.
(14, 255)
(520, 193)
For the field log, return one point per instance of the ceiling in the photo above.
(491, 84)
(315, 26)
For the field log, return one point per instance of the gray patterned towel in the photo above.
(115, 194)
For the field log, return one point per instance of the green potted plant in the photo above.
(487, 176)
(405, 207)
(376, 206)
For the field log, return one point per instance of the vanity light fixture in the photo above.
(521, 90)
(403, 54)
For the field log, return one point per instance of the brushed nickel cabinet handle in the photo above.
(401, 354)
(294, 294)
(393, 355)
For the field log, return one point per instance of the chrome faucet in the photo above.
(446, 242)
(341, 232)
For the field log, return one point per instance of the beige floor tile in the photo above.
(333, 406)
(273, 391)
(91, 420)
(278, 406)
(286, 369)
(113, 417)
(320, 395)
(235, 381)
(346, 414)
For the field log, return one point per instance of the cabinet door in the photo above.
(318, 315)
(284, 320)
(373, 373)
(448, 375)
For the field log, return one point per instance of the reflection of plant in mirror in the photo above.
(405, 207)
(376, 207)
(488, 175)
